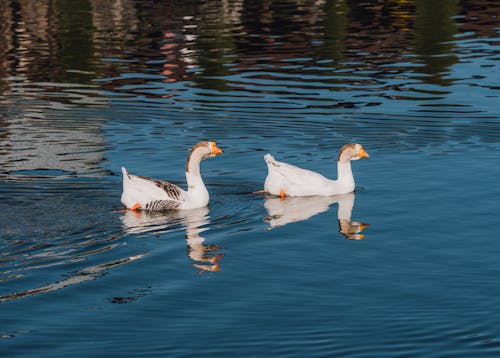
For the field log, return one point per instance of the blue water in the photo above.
(407, 266)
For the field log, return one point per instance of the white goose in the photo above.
(143, 193)
(288, 180)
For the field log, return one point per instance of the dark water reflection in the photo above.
(89, 85)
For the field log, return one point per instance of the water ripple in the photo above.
(408, 268)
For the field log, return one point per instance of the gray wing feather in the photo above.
(161, 205)
(172, 190)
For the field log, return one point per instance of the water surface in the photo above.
(404, 267)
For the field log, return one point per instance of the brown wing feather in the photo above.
(172, 190)
(161, 205)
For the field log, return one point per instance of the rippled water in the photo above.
(407, 266)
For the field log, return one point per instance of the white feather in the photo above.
(137, 190)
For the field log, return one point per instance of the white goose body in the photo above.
(288, 180)
(143, 193)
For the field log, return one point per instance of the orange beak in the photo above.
(216, 150)
(362, 153)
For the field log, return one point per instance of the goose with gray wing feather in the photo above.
(143, 193)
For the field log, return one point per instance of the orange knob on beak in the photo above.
(362, 153)
(216, 150)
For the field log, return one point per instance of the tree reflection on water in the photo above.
(201, 41)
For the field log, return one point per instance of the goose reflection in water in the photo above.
(194, 221)
(292, 209)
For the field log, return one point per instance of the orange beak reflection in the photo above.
(216, 150)
(363, 226)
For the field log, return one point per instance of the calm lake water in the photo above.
(407, 266)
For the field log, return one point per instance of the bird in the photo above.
(288, 180)
(141, 193)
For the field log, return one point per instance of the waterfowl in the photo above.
(143, 193)
(288, 180)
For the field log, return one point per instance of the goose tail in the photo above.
(125, 173)
(270, 160)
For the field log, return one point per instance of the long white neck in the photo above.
(344, 172)
(195, 182)
(193, 163)
(197, 192)
(345, 179)
(196, 188)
